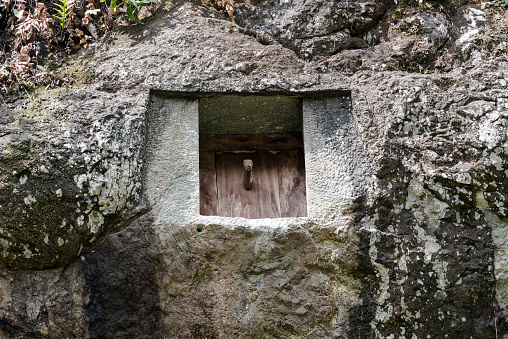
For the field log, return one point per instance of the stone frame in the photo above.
(337, 169)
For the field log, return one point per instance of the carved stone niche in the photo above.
(308, 158)
(268, 132)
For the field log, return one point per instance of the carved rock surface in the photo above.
(420, 251)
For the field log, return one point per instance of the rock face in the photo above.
(408, 236)
(66, 177)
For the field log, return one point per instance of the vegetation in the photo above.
(63, 10)
(34, 34)
(132, 7)
(502, 3)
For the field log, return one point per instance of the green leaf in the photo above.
(133, 4)
(133, 15)
(112, 5)
(63, 8)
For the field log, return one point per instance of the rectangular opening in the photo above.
(268, 132)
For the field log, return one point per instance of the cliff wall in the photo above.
(414, 247)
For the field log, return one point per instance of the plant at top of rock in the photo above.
(63, 9)
(37, 33)
(502, 3)
(228, 5)
(131, 7)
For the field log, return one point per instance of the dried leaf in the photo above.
(91, 12)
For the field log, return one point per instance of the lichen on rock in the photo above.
(66, 172)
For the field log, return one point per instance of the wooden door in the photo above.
(278, 188)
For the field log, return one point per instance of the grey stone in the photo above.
(407, 185)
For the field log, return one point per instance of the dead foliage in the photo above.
(30, 31)
(34, 33)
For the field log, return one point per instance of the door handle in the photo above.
(247, 174)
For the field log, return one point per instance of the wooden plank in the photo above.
(262, 201)
(267, 185)
(208, 203)
(291, 170)
(250, 142)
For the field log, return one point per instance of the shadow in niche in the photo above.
(121, 277)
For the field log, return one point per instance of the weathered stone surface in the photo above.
(46, 304)
(312, 28)
(417, 250)
(70, 171)
(430, 232)
(228, 282)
